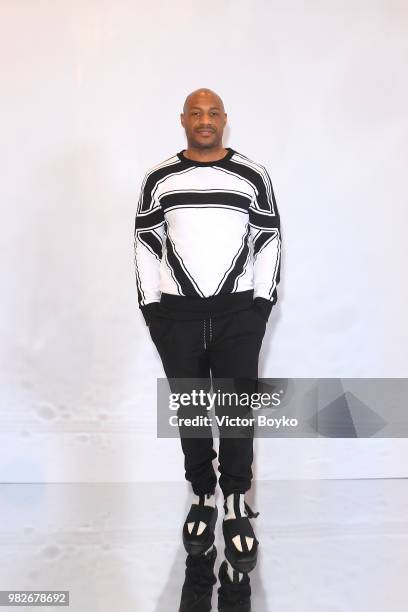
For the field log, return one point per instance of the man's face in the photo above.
(204, 120)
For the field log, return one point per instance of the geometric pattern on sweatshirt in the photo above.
(207, 228)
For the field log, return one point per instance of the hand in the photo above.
(263, 307)
(149, 311)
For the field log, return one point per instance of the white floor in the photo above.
(325, 545)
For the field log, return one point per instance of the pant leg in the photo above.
(234, 353)
(180, 344)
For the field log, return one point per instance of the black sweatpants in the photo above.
(228, 345)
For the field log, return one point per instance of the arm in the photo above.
(148, 246)
(265, 238)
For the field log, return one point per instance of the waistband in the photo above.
(225, 302)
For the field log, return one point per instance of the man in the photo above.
(207, 258)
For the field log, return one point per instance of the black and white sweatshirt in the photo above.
(207, 235)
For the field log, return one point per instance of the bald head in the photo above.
(204, 119)
(203, 95)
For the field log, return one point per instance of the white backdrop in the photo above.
(91, 96)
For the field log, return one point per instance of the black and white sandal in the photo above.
(241, 544)
(198, 528)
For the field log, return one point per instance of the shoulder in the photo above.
(161, 169)
(240, 158)
(251, 169)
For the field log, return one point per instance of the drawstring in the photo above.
(204, 338)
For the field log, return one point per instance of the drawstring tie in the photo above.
(204, 338)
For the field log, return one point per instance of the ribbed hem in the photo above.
(263, 306)
(149, 311)
(226, 302)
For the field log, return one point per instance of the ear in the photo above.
(182, 119)
(225, 119)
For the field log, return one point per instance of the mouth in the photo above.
(205, 132)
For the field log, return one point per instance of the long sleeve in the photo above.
(148, 246)
(265, 239)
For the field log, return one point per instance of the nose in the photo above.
(206, 120)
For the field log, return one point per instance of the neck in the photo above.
(200, 154)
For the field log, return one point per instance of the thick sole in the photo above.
(195, 548)
(244, 565)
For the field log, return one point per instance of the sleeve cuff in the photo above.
(149, 311)
(263, 306)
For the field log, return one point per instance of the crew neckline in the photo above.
(195, 162)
